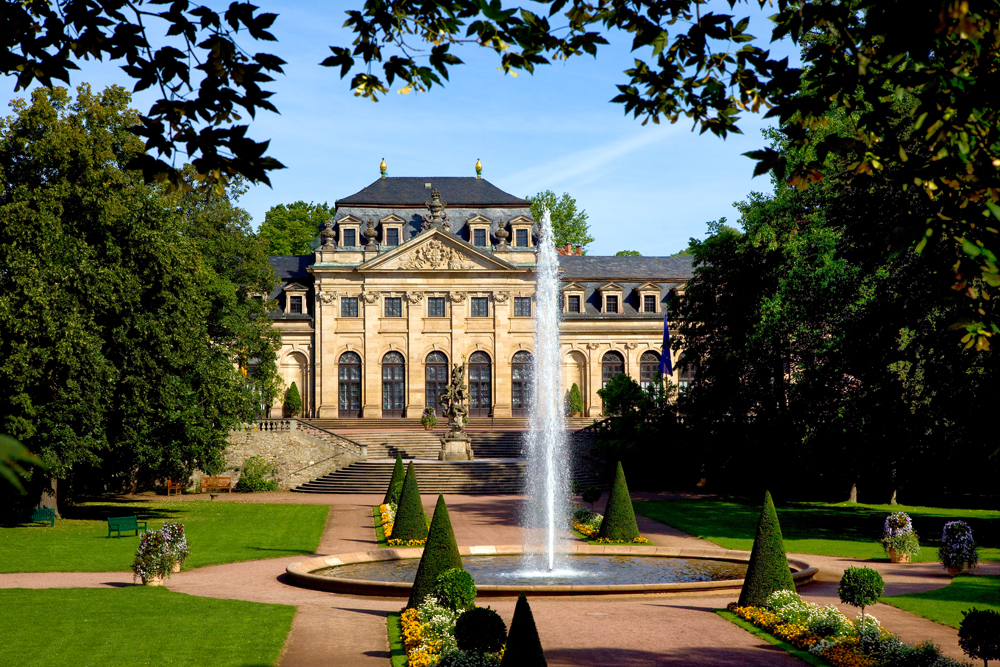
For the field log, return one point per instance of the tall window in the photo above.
(649, 365)
(435, 306)
(521, 238)
(480, 306)
(480, 385)
(574, 303)
(435, 380)
(649, 303)
(520, 387)
(611, 304)
(349, 306)
(612, 364)
(350, 385)
(350, 237)
(393, 385)
(686, 377)
(295, 304)
(522, 306)
(392, 236)
(479, 237)
(393, 306)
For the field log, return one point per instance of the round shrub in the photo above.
(455, 589)
(591, 495)
(861, 587)
(258, 475)
(480, 630)
(979, 634)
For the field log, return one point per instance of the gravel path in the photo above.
(330, 629)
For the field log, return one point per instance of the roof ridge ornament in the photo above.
(479, 168)
(383, 168)
(435, 206)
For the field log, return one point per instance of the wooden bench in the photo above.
(216, 484)
(174, 486)
(126, 523)
(31, 514)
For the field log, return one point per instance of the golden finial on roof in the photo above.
(383, 167)
(479, 168)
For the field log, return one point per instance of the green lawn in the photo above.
(945, 605)
(218, 532)
(137, 625)
(397, 651)
(846, 530)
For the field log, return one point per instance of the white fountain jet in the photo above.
(548, 469)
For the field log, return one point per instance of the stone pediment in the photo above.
(436, 250)
(294, 287)
(648, 287)
(574, 287)
(610, 287)
(392, 218)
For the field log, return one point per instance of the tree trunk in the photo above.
(853, 498)
(892, 501)
(48, 499)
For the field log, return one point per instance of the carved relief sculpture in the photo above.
(327, 298)
(414, 297)
(593, 346)
(501, 297)
(457, 297)
(456, 444)
(434, 255)
(369, 297)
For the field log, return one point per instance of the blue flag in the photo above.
(666, 363)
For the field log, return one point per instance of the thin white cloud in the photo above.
(585, 166)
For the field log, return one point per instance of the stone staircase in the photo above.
(491, 476)
(421, 444)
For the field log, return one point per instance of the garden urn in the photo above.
(953, 571)
(428, 427)
(177, 567)
(898, 556)
(152, 580)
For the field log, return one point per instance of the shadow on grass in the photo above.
(103, 511)
(964, 588)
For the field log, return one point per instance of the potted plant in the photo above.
(293, 401)
(154, 559)
(898, 538)
(429, 419)
(177, 542)
(575, 401)
(957, 547)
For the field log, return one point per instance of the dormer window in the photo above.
(611, 298)
(479, 230)
(295, 304)
(649, 298)
(295, 299)
(392, 236)
(350, 237)
(521, 228)
(479, 237)
(392, 230)
(573, 298)
(350, 231)
(521, 238)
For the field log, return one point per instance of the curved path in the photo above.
(331, 629)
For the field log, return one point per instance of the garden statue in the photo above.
(456, 444)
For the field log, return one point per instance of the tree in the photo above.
(440, 555)
(293, 229)
(411, 522)
(619, 517)
(293, 401)
(767, 570)
(130, 338)
(861, 587)
(524, 648)
(575, 399)
(569, 225)
(979, 634)
(628, 253)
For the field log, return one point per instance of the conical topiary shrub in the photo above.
(768, 570)
(411, 522)
(440, 554)
(396, 483)
(524, 648)
(619, 517)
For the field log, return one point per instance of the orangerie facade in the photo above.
(415, 274)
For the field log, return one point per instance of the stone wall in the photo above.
(298, 457)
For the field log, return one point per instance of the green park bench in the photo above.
(126, 523)
(29, 514)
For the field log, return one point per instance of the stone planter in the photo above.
(954, 571)
(152, 581)
(576, 415)
(898, 556)
(177, 567)
(428, 427)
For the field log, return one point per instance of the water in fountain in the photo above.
(548, 470)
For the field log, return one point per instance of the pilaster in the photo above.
(371, 376)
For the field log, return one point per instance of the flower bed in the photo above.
(387, 516)
(588, 524)
(825, 632)
(429, 635)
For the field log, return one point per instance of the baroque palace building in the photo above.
(415, 274)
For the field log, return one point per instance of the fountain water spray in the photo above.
(548, 470)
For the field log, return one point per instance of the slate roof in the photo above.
(592, 267)
(291, 266)
(456, 191)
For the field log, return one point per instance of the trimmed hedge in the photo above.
(768, 569)
(524, 648)
(411, 522)
(440, 554)
(396, 483)
(619, 517)
(480, 630)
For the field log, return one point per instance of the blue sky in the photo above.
(646, 188)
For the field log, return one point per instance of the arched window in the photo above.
(480, 385)
(612, 364)
(435, 380)
(350, 385)
(649, 365)
(520, 385)
(393, 385)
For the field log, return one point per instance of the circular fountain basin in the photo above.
(499, 571)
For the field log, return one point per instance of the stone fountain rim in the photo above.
(301, 572)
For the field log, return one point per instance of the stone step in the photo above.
(466, 477)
